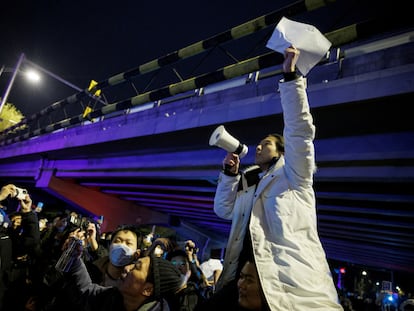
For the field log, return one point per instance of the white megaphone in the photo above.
(221, 138)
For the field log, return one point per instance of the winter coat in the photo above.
(280, 213)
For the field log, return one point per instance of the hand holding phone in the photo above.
(20, 193)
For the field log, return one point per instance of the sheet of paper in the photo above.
(311, 43)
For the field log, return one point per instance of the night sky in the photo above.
(84, 40)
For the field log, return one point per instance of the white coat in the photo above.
(281, 216)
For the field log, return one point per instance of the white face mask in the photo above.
(120, 255)
(158, 251)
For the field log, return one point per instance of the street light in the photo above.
(32, 76)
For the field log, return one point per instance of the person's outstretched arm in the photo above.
(299, 131)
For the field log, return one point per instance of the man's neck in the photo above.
(266, 166)
(133, 302)
(113, 272)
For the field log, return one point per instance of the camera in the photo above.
(20, 193)
(190, 247)
(84, 224)
(79, 222)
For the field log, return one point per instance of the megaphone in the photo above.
(221, 138)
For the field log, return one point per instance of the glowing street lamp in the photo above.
(31, 75)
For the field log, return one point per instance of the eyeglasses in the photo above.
(178, 263)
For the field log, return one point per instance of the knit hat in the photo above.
(165, 277)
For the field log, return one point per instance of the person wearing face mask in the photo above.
(107, 271)
(149, 283)
(124, 248)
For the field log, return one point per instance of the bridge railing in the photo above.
(86, 108)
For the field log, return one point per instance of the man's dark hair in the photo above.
(280, 141)
(134, 229)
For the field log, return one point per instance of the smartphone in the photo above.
(39, 207)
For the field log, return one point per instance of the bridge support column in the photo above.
(114, 210)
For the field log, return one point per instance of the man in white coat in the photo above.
(274, 217)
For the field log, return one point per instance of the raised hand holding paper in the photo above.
(312, 44)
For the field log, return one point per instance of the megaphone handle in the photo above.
(227, 170)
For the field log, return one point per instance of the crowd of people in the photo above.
(70, 265)
(274, 259)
